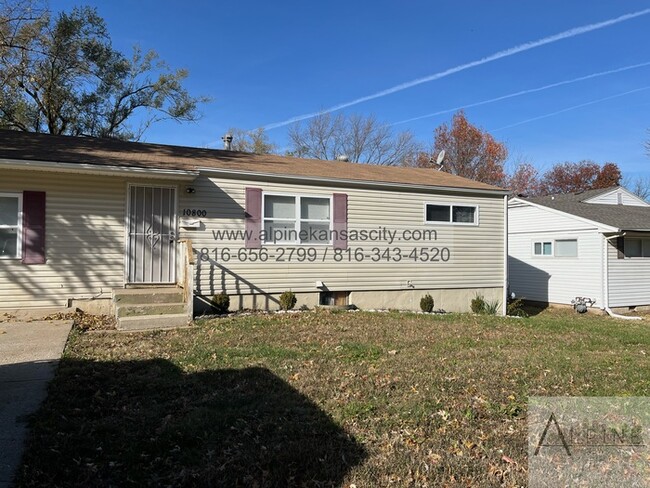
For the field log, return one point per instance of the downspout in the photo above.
(606, 280)
(505, 255)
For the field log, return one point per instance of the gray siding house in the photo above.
(82, 219)
(594, 244)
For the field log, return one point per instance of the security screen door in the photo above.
(151, 228)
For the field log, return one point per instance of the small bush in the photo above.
(304, 308)
(492, 308)
(482, 307)
(288, 300)
(516, 308)
(426, 303)
(221, 303)
(478, 304)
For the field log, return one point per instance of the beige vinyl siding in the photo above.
(629, 278)
(476, 251)
(84, 239)
(548, 278)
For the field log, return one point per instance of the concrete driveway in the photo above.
(29, 352)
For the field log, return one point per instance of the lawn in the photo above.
(321, 399)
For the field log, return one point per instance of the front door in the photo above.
(151, 234)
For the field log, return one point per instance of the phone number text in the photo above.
(321, 254)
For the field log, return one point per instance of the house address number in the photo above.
(194, 212)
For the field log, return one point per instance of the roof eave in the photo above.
(97, 169)
(350, 182)
(599, 225)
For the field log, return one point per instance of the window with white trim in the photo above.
(297, 219)
(637, 247)
(566, 248)
(10, 225)
(451, 214)
(559, 248)
(543, 248)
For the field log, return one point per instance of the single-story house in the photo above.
(593, 244)
(83, 218)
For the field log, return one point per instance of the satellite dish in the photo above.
(441, 156)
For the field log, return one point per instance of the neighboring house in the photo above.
(593, 244)
(83, 218)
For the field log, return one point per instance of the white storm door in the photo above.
(151, 235)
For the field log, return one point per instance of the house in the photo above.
(85, 220)
(593, 244)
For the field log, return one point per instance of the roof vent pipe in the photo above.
(227, 142)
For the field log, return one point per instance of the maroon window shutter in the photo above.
(620, 247)
(34, 227)
(340, 224)
(253, 218)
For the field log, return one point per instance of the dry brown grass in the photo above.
(321, 399)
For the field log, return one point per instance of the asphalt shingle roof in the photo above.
(111, 152)
(623, 217)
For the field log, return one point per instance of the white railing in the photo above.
(186, 274)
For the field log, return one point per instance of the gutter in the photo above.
(96, 169)
(347, 181)
(505, 255)
(606, 281)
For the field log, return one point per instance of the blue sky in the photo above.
(265, 62)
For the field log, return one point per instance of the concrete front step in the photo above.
(144, 296)
(146, 322)
(133, 310)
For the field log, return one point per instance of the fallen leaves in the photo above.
(84, 321)
(431, 404)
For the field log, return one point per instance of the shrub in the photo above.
(288, 300)
(492, 308)
(478, 304)
(482, 307)
(221, 303)
(516, 308)
(426, 303)
(304, 308)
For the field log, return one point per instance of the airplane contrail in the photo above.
(525, 92)
(576, 31)
(574, 107)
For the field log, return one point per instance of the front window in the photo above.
(451, 214)
(296, 219)
(10, 225)
(279, 218)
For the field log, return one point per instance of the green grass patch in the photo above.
(354, 352)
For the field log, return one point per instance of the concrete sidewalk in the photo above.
(29, 352)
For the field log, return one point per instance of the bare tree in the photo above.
(252, 141)
(18, 20)
(639, 185)
(60, 74)
(361, 139)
